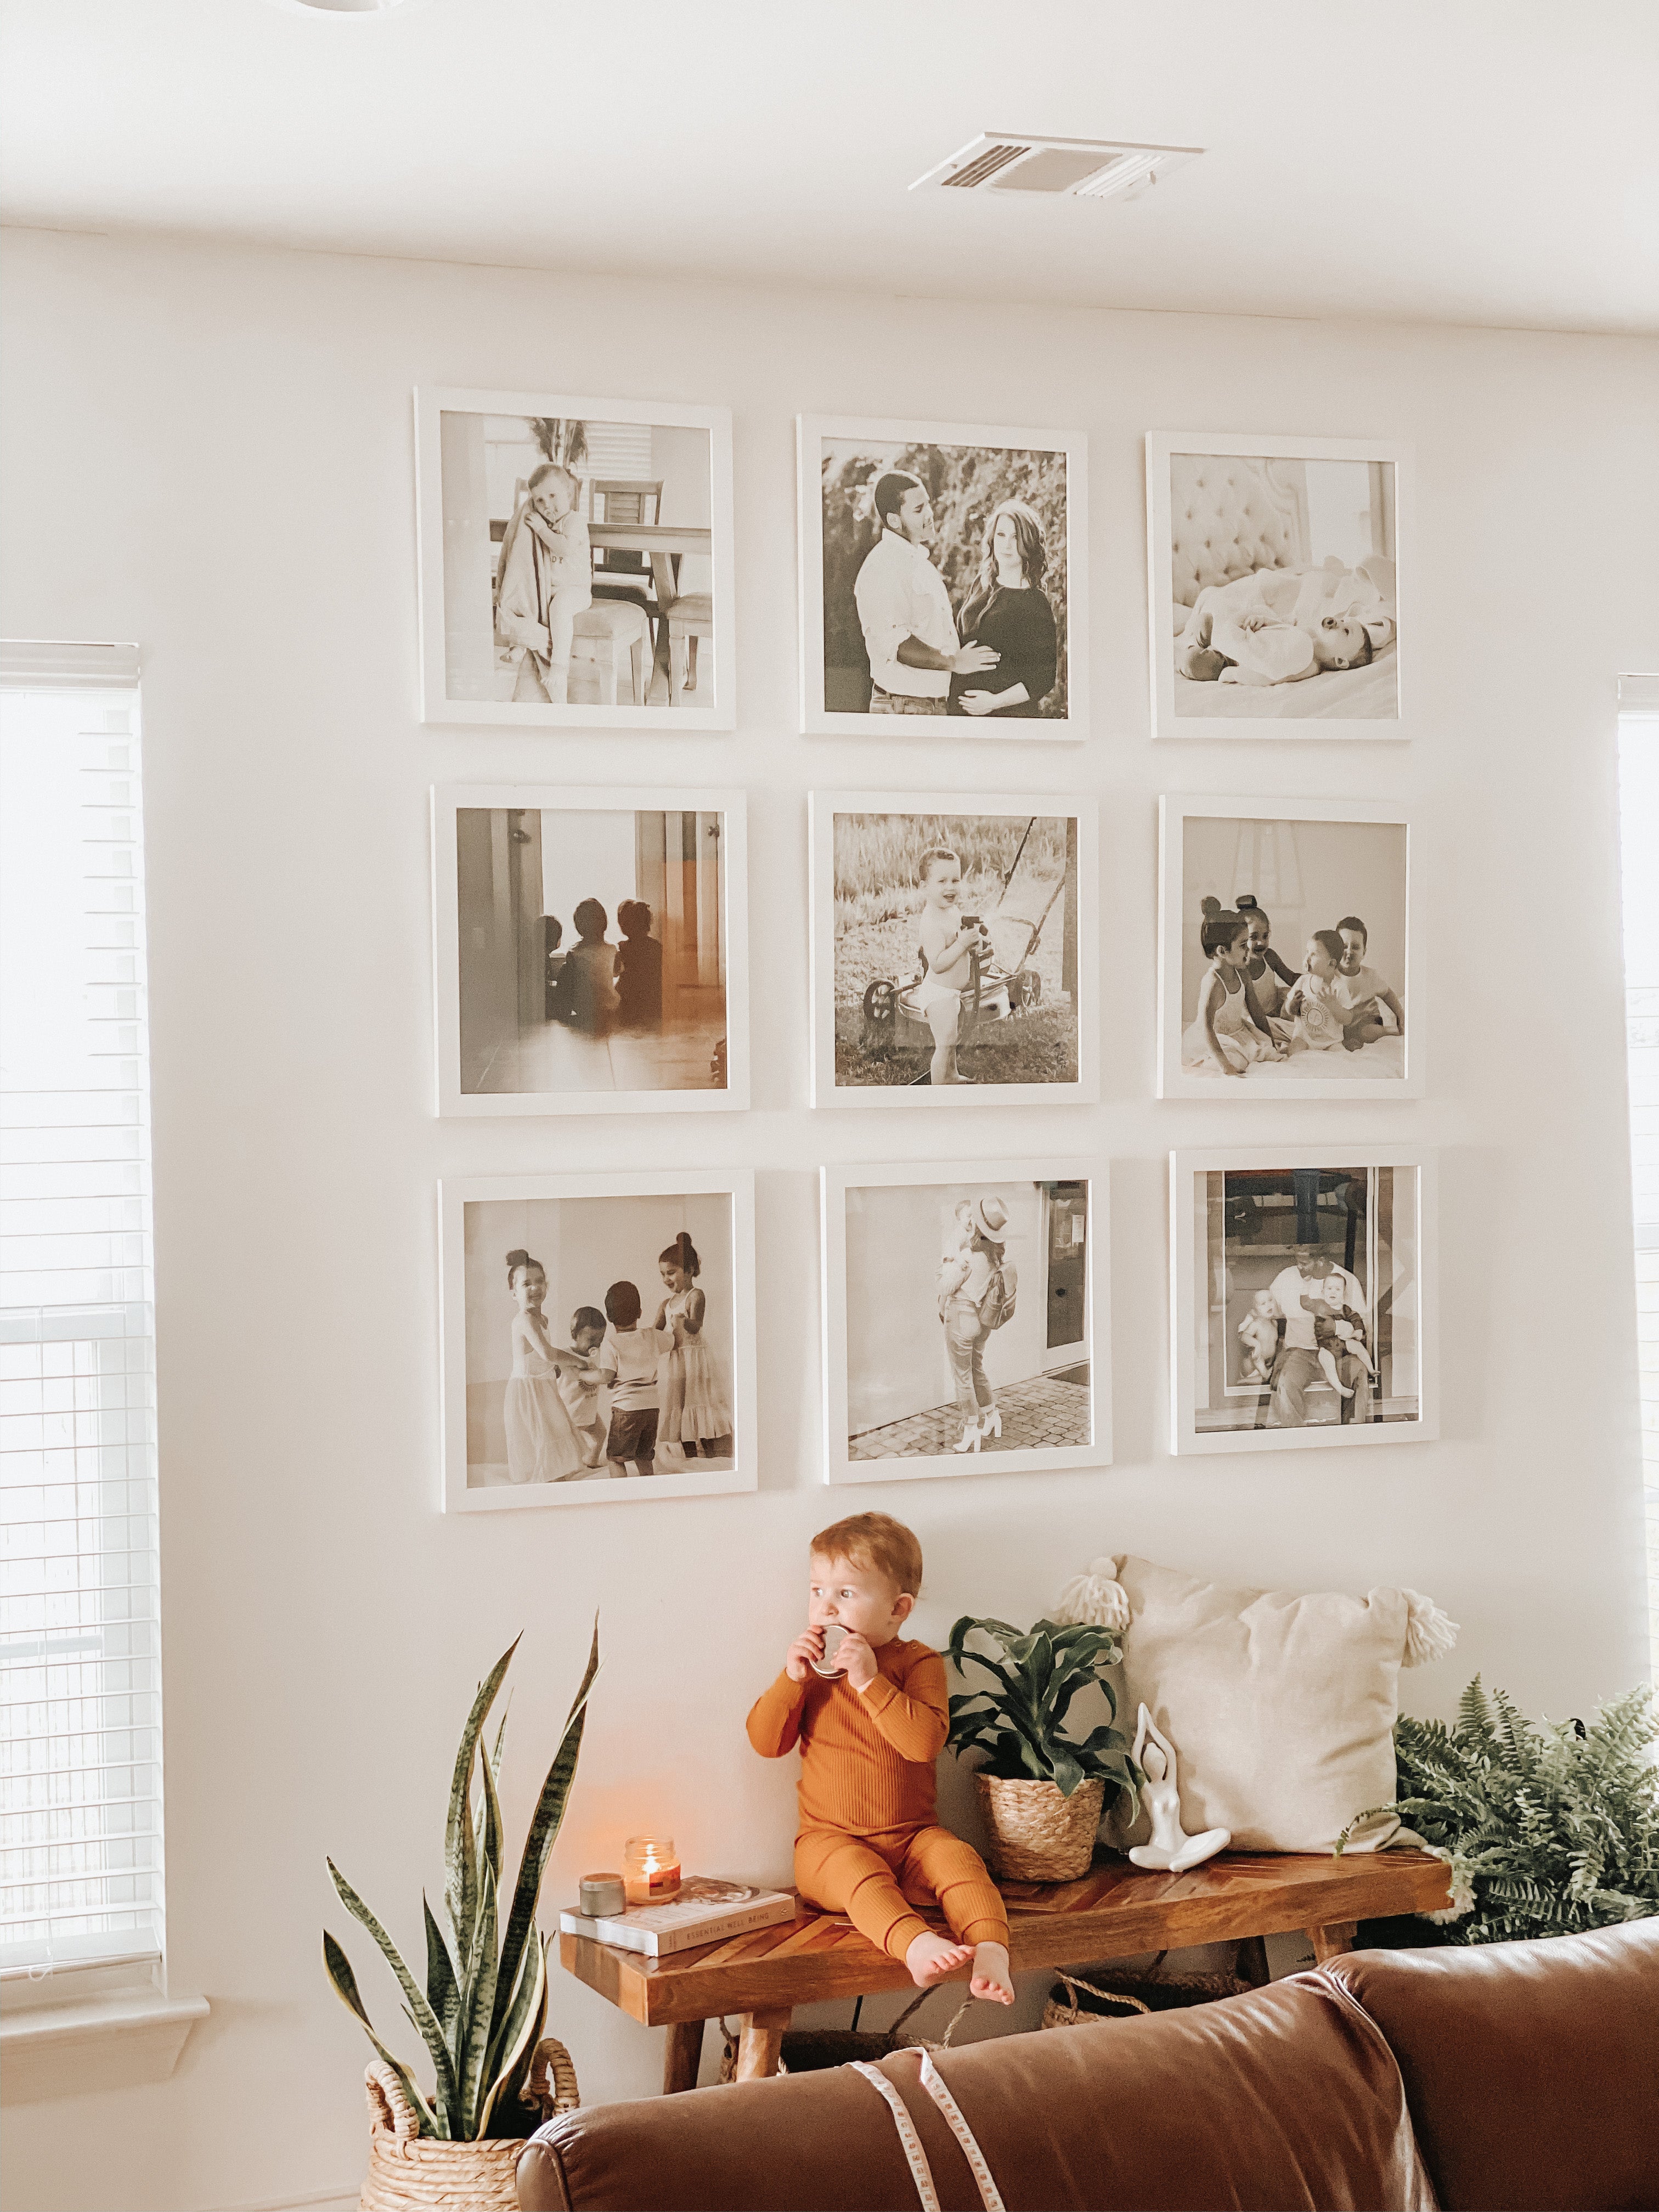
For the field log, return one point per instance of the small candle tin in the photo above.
(599, 1895)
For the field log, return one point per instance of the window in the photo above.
(1639, 787)
(80, 1664)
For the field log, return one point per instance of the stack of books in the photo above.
(705, 1911)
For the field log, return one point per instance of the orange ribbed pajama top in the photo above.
(870, 1845)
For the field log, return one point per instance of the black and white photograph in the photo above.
(965, 1328)
(591, 950)
(1303, 1308)
(597, 1339)
(1286, 948)
(940, 564)
(575, 561)
(953, 952)
(1273, 576)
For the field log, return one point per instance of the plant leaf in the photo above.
(420, 2011)
(543, 1831)
(460, 1850)
(520, 2031)
(338, 1968)
(442, 1989)
(478, 2005)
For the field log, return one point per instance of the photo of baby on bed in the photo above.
(1282, 580)
(1293, 950)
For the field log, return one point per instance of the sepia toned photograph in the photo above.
(1286, 951)
(939, 567)
(964, 1322)
(948, 950)
(1273, 574)
(597, 1339)
(575, 561)
(591, 950)
(1303, 1304)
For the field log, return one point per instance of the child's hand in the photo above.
(856, 1661)
(807, 1649)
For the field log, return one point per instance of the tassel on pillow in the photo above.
(1429, 1633)
(1096, 1599)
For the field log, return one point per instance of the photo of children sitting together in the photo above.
(597, 986)
(1254, 1009)
(625, 1398)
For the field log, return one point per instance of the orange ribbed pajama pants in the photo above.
(879, 1881)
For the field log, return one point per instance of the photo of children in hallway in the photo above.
(963, 1323)
(576, 560)
(584, 952)
(599, 1344)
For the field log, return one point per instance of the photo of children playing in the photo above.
(968, 1327)
(944, 579)
(577, 561)
(599, 1339)
(956, 949)
(1312, 1316)
(1292, 950)
(591, 950)
(1282, 586)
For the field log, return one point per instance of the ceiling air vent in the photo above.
(1070, 169)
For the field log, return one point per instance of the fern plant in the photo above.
(1547, 1830)
(481, 2012)
(1019, 1722)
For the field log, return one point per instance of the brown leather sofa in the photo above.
(1512, 2076)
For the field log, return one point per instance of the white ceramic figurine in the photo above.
(1171, 1850)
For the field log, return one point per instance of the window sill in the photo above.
(114, 2042)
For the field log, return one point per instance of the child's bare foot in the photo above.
(990, 1977)
(930, 1958)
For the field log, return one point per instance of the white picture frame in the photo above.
(1227, 1262)
(479, 1019)
(476, 1315)
(905, 1379)
(1292, 857)
(1219, 525)
(832, 674)
(1041, 828)
(469, 486)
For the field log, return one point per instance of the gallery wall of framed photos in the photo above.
(298, 1009)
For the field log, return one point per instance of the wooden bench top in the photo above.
(1113, 1911)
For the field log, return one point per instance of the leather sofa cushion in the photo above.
(1285, 2096)
(1532, 2069)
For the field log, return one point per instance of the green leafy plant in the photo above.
(1019, 1722)
(1547, 1829)
(484, 2004)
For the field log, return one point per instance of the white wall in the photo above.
(209, 451)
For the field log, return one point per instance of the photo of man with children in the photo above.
(1292, 950)
(1282, 587)
(599, 1339)
(592, 951)
(944, 579)
(1313, 1314)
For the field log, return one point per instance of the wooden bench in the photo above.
(1114, 1911)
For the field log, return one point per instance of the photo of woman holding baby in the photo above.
(1286, 942)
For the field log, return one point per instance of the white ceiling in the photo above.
(1491, 161)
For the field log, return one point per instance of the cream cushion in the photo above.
(1281, 1707)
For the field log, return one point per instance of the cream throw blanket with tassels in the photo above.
(1281, 1707)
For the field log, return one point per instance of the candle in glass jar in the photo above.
(651, 1871)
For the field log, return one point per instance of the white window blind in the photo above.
(79, 1664)
(1639, 787)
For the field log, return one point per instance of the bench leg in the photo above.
(683, 2056)
(1331, 1941)
(759, 2042)
(1250, 1962)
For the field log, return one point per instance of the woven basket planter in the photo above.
(1066, 2004)
(409, 2171)
(1037, 1835)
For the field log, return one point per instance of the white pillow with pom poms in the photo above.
(1281, 1708)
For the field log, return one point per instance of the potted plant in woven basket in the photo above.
(1040, 1786)
(484, 2004)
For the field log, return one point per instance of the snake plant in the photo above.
(1019, 1722)
(482, 2011)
